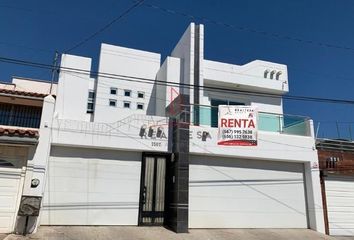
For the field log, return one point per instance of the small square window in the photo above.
(91, 94)
(127, 93)
(89, 108)
(112, 102)
(140, 106)
(114, 91)
(126, 104)
(141, 94)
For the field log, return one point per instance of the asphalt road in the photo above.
(156, 233)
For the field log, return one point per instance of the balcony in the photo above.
(267, 122)
(20, 115)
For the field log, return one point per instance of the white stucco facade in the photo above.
(94, 133)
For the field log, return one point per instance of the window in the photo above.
(141, 94)
(127, 93)
(140, 106)
(91, 94)
(90, 101)
(20, 115)
(126, 105)
(89, 107)
(112, 102)
(214, 109)
(113, 91)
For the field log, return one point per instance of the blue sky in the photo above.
(32, 30)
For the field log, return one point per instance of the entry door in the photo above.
(152, 193)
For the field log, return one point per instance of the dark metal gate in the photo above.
(152, 192)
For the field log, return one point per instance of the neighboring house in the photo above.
(336, 158)
(20, 116)
(135, 145)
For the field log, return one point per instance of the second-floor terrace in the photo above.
(20, 108)
(267, 122)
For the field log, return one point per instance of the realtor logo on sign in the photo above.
(237, 125)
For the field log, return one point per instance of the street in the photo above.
(153, 233)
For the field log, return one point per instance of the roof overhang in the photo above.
(15, 140)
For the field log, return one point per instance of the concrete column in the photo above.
(178, 171)
(37, 164)
(314, 197)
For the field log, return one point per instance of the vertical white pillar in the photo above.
(37, 165)
(314, 197)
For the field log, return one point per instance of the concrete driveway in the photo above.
(156, 233)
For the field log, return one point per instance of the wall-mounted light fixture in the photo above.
(266, 73)
(277, 76)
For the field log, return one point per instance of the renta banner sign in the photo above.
(237, 125)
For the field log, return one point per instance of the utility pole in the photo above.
(55, 62)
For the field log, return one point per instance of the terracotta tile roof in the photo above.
(23, 93)
(18, 132)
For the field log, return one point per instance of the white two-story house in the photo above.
(135, 143)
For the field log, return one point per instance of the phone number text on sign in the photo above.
(237, 126)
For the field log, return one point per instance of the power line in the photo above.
(122, 15)
(174, 84)
(247, 29)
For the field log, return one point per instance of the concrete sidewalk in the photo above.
(155, 233)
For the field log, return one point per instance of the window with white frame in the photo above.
(112, 102)
(126, 104)
(141, 95)
(127, 93)
(140, 106)
(90, 101)
(113, 91)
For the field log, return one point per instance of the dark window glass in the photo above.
(214, 109)
(90, 101)
(112, 103)
(140, 95)
(140, 106)
(127, 93)
(91, 95)
(126, 104)
(89, 107)
(114, 91)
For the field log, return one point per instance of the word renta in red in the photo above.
(237, 123)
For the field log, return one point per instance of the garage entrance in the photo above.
(340, 204)
(12, 172)
(238, 193)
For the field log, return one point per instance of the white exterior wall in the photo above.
(73, 87)
(121, 61)
(39, 156)
(247, 77)
(185, 51)
(123, 135)
(170, 71)
(92, 187)
(33, 85)
(271, 146)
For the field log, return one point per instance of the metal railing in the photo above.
(109, 129)
(282, 123)
(334, 130)
(20, 115)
